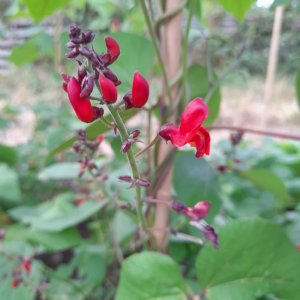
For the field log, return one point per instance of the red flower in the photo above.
(190, 130)
(108, 89)
(14, 284)
(113, 49)
(196, 213)
(81, 105)
(139, 93)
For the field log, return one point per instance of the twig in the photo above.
(257, 131)
(153, 142)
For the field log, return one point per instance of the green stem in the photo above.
(157, 51)
(185, 50)
(135, 173)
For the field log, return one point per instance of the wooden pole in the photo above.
(171, 52)
(272, 63)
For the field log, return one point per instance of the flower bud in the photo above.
(127, 99)
(125, 146)
(73, 53)
(178, 206)
(211, 235)
(111, 76)
(113, 49)
(135, 133)
(87, 36)
(108, 89)
(125, 178)
(87, 86)
(142, 182)
(140, 90)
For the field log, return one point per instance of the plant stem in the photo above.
(135, 173)
(257, 131)
(185, 50)
(157, 51)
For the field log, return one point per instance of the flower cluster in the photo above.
(17, 274)
(80, 88)
(190, 130)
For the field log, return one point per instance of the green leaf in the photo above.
(297, 84)
(8, 155)
(9, 185)
(267, 181)
(93, 131)
(39, 9)
(25, 53)
(255, 259)
(200, 181)
(150, 276)
(56, 215)
(237, 8)
(49, 241)
(66, 170)
(199, 87)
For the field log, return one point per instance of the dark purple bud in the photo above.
(88, 36)
(71, 45)
(236, 137)
(87, 86)
(178, 206)
(127, 99)
(126, 206)
(135, 133)
(73, 53)
(222, 169)
(92, 165)
(125, 178)
(211, 235)
(98, 111)
(110, 75)
(82, 73)
(142, 182)
(115, 130)
(125, 146)
(86, 52)
(81, 134)
(74, 31)
(2, 233)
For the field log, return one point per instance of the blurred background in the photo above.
(41, 215)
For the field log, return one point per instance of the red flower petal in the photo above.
(113, 48)
(108, 89)
(199, 211)
(81, 106)
(193, 116)
(201, 140)
(140, 90)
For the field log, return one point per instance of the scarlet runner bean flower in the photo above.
(82, 106)
(113, 49)
(196, 214)
(108, 89)
(190, 130)
(139, 94)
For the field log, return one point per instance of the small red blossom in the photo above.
(190, 130)
(26, 263)
(108, 89)
(139, 94)
(15, 284)
(83, 108)
(196, 213)
(113, 49)
(79, 201)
